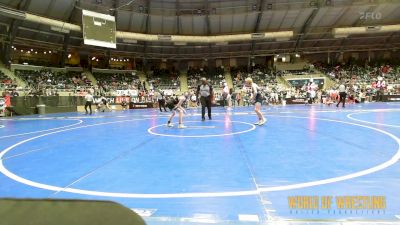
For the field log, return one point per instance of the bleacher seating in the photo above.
(48, 82)
(214, 76)
(47, 79)
(362, 75)
(118, 81)
(6, 82)
(164, 79)
(260, 74)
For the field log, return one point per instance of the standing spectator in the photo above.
(380, 88)
(141, 94)
(226, 96)
(144, 85)
(233, 97)
(238, 98)
(151, 96)
(310, 89)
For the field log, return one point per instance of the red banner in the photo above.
(120, 99)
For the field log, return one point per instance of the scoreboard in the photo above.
(98, 29)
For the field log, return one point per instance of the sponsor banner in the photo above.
(140, 105)
(296, 100)
(126, 92)
(120, 99)
(117, 100)
(391, 98)
(110, 100)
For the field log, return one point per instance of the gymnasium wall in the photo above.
(28, 105)
(54, 104)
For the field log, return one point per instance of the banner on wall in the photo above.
(296, 100)
(120, 99)
(391, 98)
(110, 100)
(126, 92)
(140, 105)
(117, 100)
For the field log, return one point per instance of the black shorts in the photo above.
(170, 106)
(258, 98)
(161, 101)
(175, 108)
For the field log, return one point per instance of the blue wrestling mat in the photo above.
(306, 165)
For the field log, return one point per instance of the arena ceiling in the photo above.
(311, 20)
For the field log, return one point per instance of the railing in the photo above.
(97, 70)
(53, 69)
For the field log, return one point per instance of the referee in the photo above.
(161, 100)
(342, 94)
(89, 100)
(205, 91)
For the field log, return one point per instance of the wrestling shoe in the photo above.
(181, 126)
(262, 122)
(170, 125)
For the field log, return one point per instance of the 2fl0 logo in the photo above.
(370, 16)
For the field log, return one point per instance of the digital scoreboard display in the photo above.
(98, 29)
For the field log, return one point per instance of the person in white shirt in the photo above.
(310, 88)
(205, 94)
(151, 96)
(255, 97)
(227, 96)
(89, 101)
(342, 94)
(380, 87)
(161, 100)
